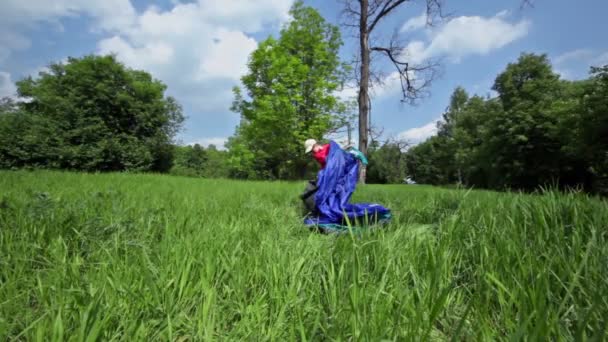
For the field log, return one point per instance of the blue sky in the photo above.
(200, 48)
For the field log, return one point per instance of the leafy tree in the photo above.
(8, 105)
(196, 158)
(458, 101)
(289, 97)
(594, 128)
(189, 160)
(196, 161)
(216, 165)
(92, 113)
(524, 142)
(28, 140)
(469, 135)
(540, 130)
(423, 162)
(387, 163)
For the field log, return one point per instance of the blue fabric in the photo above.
(336, 183)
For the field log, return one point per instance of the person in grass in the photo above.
(319, 152)
(334, 186)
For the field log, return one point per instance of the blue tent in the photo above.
(336, 184)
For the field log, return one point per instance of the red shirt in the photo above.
(321, 155)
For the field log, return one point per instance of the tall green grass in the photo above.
(148, 257)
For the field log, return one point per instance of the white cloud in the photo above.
(574, 55)
(391, 86)
(228, 56)
(419, 134)
(11, 41)
(154, 53)
(200, 50)
(7, 87)
(415, 23)
(218, 142)
(18, 16)
(348, 93)
(468, 35)
(601, 60)
(245, 15)
(573, 65)
(109, 14)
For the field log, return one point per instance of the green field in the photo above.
(151, 257)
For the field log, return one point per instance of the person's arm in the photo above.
(358, 154)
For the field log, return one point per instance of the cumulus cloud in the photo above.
(460, 37)
(11, 41)
(200, 50)
(575, 64)
(417, 135)
(415, 23)
(228, 56)
(7, 87)
(467, 35)
(17, 17)
(348, 93)
(601, 60)
(573, 55)
(391, 86)
(109, 14)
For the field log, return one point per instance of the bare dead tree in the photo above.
(527, 3)
(363, 17)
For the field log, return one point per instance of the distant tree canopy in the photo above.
(538, 131)
(196, 161)
(93, 114)
(289, 97)
(387, 162)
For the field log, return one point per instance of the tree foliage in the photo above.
(538, 131)
(289, 96)
(196, 161)
(387, 163)
(93, 114)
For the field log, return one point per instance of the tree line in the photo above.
(539, 130)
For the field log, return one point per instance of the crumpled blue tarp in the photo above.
(336, 184)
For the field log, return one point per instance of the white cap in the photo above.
(309, 144)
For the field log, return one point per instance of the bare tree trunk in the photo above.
(363, 85)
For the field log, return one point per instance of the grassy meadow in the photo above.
(153, 257)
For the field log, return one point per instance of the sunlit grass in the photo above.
(149, 257)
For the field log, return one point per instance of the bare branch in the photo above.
(526, 3)
(349, 11)
(414, 79)
(389, 53)
(434, 8)
(386, 9)
(373, 7)
(349, 17)
(375, 133)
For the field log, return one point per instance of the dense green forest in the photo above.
(538, 131)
